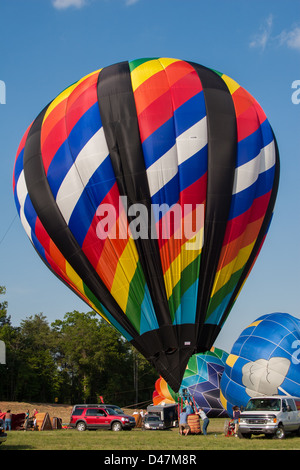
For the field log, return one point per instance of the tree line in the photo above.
(74, 360)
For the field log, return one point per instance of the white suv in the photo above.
(270, 415)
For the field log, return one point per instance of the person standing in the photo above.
(8, 418)
(205, 420)
(188, 408)
(183, 425)
(236, 419)
(35, 412)
(27, 414)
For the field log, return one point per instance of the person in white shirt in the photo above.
(204, 419)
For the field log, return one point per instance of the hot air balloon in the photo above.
(200, 383)
(148, 187)
(264, 360)
(163, 393)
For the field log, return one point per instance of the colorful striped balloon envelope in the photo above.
(148, 188)
(200, 384)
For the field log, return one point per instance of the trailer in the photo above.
(168, 413)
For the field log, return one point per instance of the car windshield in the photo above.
(118, 410)
(263, 404)
(153, 418)
(111, 411)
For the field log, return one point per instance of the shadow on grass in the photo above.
(16, 447)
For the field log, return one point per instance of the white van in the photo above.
(270, 415)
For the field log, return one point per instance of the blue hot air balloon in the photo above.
(264, 360)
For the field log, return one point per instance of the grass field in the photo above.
(166, 441)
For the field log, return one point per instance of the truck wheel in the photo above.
(116, 426)
(244, 435)
(81, 426)
(280, 432)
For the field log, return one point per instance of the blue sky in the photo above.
(48, 44)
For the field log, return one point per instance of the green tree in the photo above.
(4, 319)
(76, 359)
(10, 336)
(92, 354)
(77, 336)
(38, 372)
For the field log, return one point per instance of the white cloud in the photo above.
(288, 38)
(291, 38)
(261, 39)
(63, 4)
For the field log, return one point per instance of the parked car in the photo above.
(152, 422)
(99, 417)
(101, 405)
(3, 435)
(270, 415)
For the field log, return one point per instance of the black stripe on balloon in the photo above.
(222, 146)
(262, 233)
(120, 124)
(50, 216)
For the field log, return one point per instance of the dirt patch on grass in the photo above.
(54, 410)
